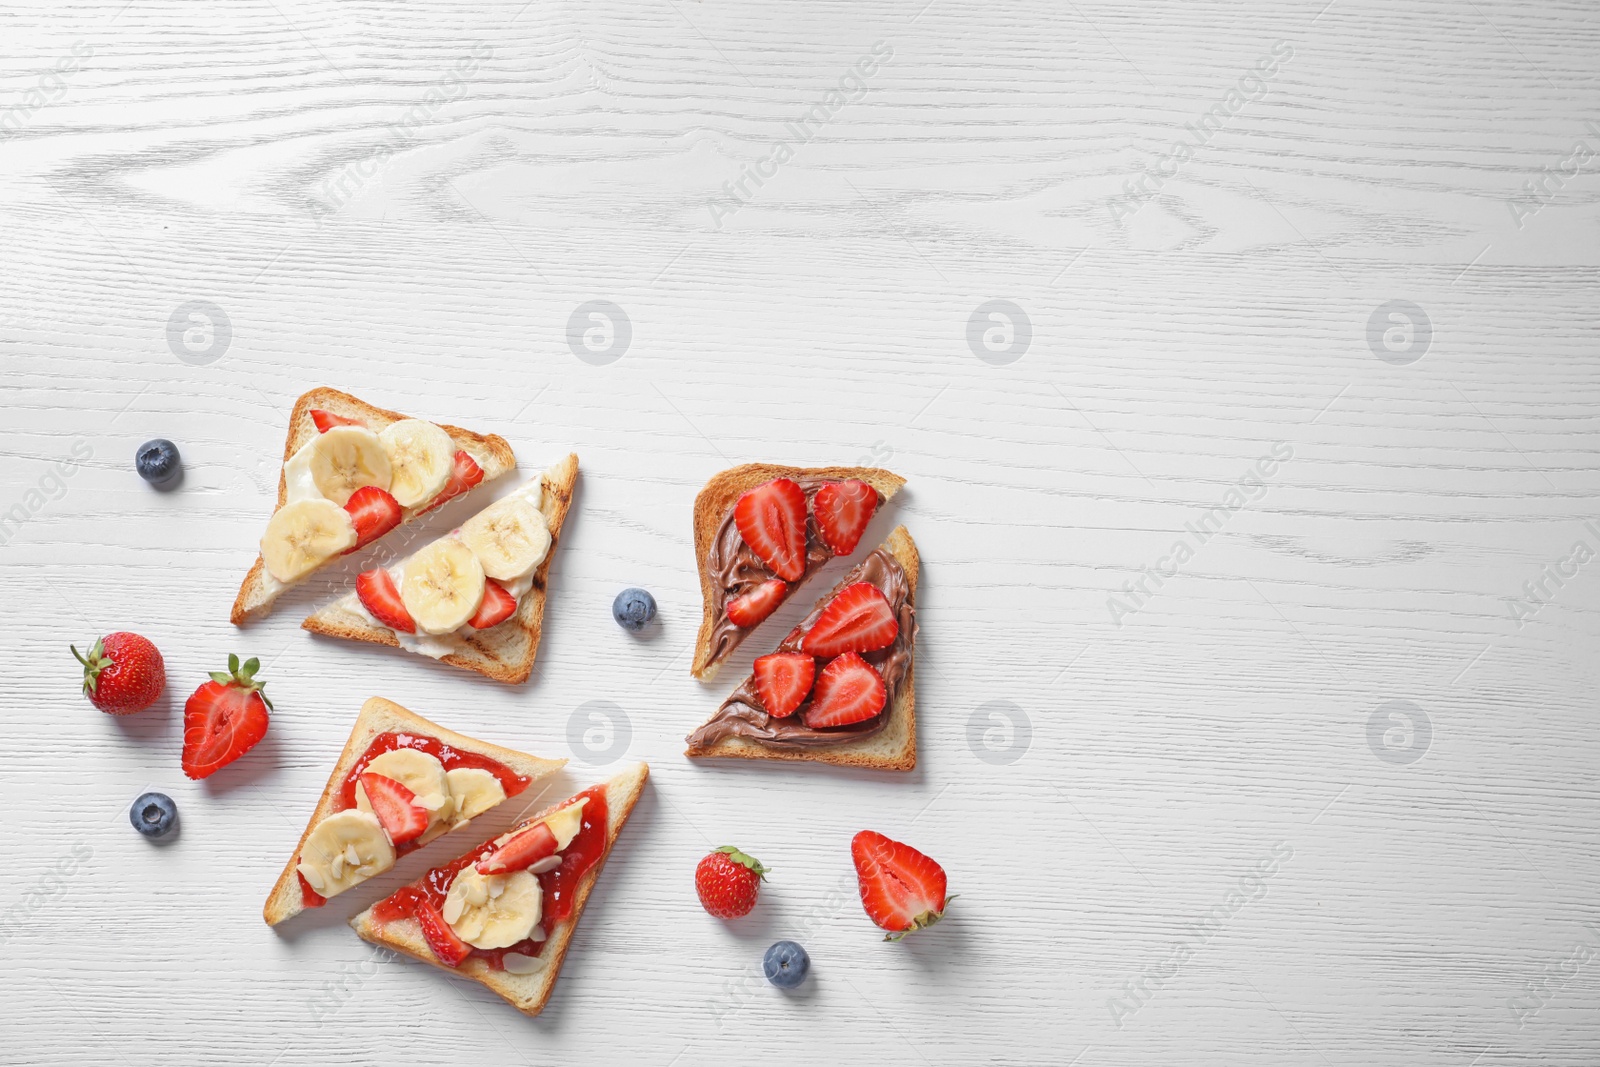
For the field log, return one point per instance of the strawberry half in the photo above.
(377, 593)
(450, 949)
(745, 611)
(374, 511)
(843, 510)
(395, 806)
(848, 690)
(224, 718)
(463, 476)
(859, 619)
(327, 420)
(498, 606)
(772, 520)
(901, 889)
(783, 679)
(521, 852)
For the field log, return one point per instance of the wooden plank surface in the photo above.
(1306, 289)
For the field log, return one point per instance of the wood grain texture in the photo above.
(410, 201)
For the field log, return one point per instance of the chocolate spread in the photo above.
(741, 714)
(737, 569)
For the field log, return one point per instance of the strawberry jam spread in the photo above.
(451, 758)
(560, 885)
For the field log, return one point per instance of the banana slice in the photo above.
(419, 772)
(304, 534)
(346, 458)
(421, 457)
(343, 850)
(474, 790)
(442, 586)
(493, 910)
(510, 538)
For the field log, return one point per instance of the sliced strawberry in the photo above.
(463, 476)
(783, 679)
(377, 593)
(374, 512)
(859, 619)
(450, 949)
(498, 606)
(327, 420)
(843, 510)
(757, 604)
(901, 889)
(395, 806)
(772, 520)
(849, 689)
(224, 718)
(521, 852)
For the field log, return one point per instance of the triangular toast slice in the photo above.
(382, 725)
(888, 742)
(491, 453)
(716, 537)
(524, 981)
(504, 652)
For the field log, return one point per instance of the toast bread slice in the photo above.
(380, 716)
(715, 503)
(258, 590)
(894, 748)
(528, 993)
(504, 653)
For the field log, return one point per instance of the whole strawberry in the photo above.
(123, 673)
(727, 881)
(224, 718)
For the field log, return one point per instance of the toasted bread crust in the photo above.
(378, 716)
(712, 506)
(892, 749)
(491, 452)
(528, 993)
(505, 653)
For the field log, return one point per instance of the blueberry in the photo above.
(154, 815)
(786, 964)
(158, 462)
(633, 608)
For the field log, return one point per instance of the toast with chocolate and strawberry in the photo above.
(399, 783)
(840, 687)
(503, 914)
(761, 531)
(351, 474)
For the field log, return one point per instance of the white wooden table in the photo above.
(1321, 793)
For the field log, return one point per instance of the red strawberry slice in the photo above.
(901, 889)
(783, 679)
(757, 604)
(224, 718)
(374, 512)
(498, 606)
(450, 949)
(859, 619)
(848, 690)
(521, 852)
(377, 593)
(772, 520)
(395, 806)
(463, 476)
(327, 420)
(843, 510)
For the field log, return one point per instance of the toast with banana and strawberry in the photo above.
(400, 783)
(840, 687)
(503, 914)
(474, 598)
(762, 531)
(351, 474)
